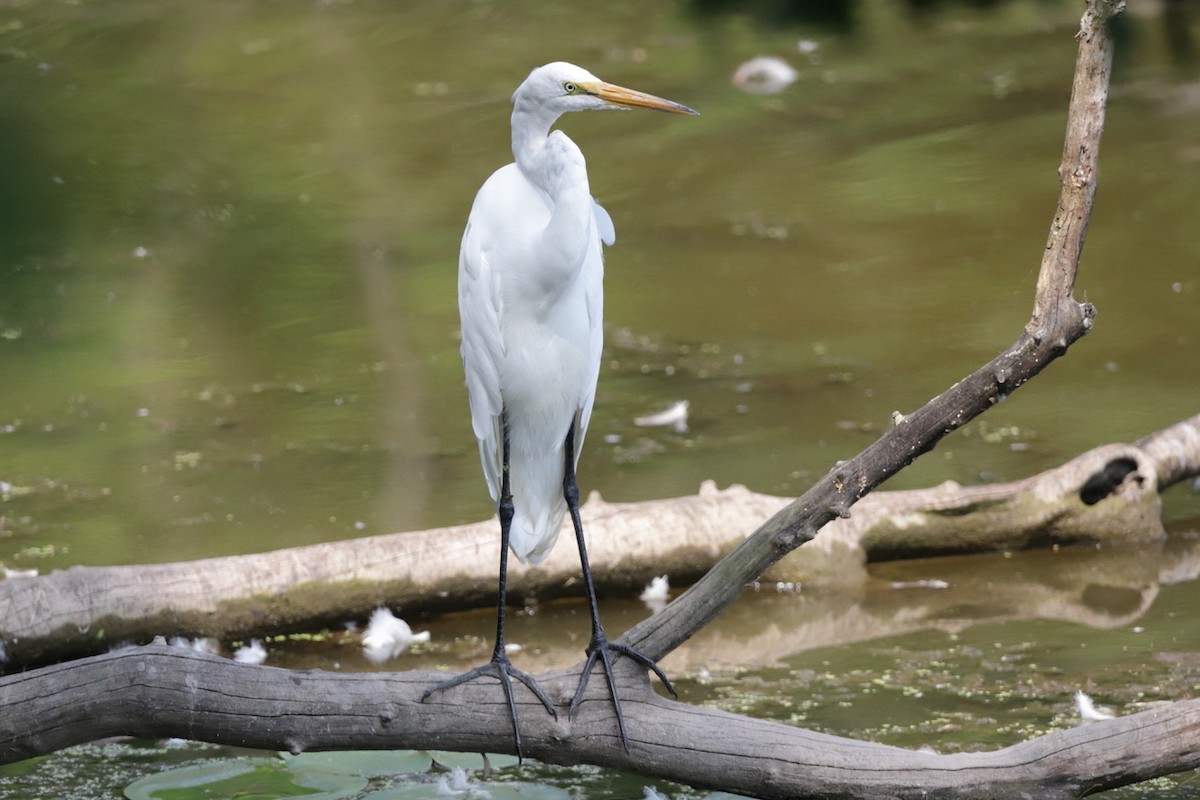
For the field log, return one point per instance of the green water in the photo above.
(228, 243)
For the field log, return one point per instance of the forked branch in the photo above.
(1057, 321)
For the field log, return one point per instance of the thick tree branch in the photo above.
(159, 691)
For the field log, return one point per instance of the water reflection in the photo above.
(1105, 589)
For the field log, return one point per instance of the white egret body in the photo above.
(530, 296)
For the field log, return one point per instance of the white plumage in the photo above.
(388, 636)
(531, 299)
(532, 333)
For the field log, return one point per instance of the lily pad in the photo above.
(363, 763)
(246, 779)
(441, 789)
(381, 763)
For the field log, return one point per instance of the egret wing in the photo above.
(604, 224)
(482, 350)
(593, 277)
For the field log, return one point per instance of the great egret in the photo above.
(530, 295)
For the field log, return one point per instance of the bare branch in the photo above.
(1057, 321)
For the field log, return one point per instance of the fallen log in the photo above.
(1109, 495)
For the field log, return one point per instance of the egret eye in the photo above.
(570, 88)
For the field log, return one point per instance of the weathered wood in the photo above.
(1108, 495)
(159, 691)
(85, 610)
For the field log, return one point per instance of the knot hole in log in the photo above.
(1105, 482)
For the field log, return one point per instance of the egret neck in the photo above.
(556, 166)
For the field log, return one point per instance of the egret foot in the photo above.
(602, 650)
(502, 670)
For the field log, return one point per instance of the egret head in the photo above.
(561, 87)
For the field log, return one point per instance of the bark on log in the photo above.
(160, 691)
(1109, 495)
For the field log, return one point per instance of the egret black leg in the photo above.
(500, 667)
(599, 649)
